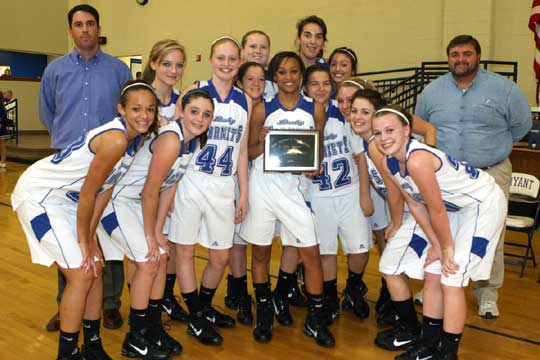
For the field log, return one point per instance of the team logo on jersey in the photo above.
(221, 119)
(330, 137)
(290, 122)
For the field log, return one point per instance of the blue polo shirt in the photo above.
(478, 125)
(77, 96)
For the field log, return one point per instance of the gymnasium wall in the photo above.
(385, 33)
(27, 93)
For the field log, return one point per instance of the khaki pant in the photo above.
(488, 290)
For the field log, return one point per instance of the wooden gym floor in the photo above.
(28, 293)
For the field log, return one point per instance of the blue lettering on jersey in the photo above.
(324, 180)
(225, 133)
(207, 160)
(334, 148)
(472, 171)
(298, 122)
(77, 144)
(221, 119)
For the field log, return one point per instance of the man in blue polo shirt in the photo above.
(79, 92)
(479, 115)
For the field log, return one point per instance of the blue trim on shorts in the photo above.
(110, 223)
(40, 225)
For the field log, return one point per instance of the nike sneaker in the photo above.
(265, 321)
(217, 318)
(231, 300)
(201, 328)
(296, 296)
(354, 298)
(94, 351)
(331, 309)
(136, 345)
(316, 327)
(397, 338)
(171, 306)
(419, 352)
(164, 341)
(384, 299)
(75, 356)
(281, 310)
(244, 315)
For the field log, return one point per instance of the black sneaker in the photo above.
(281, 310)
(296, 296)
(171, 306)
(354, 298)
(244, 315)
(331, 309)
(398, 338)
(315, 327)
(231, 301)
(423, 352)
(217, 318)
(94, 351)
(76, 356)
(164, 341)
(265, 321)
(442, 352)
(136, 345)
(201, 328)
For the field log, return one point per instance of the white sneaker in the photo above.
(419, 298)
(488, 309)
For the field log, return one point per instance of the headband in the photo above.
(395, 112)
(354, 83)
(345, 50)
(197, 91)
(138, 83)
(228, 38)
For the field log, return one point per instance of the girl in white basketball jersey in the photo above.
(256, 48)
(377, 207)
(464, 207)
(279, 197)
(335, 199)
(342, 64)
(164, 69)
(404, 255)
(135, 221)
(59, 201)
(205, 210)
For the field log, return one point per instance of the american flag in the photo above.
(534, 25)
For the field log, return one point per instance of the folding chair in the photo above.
(523, 216)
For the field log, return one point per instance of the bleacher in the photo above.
(12, 109)
(402, 86)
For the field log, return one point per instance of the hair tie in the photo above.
(354, 83)
(345, 50)
(138, 83)
(398, 113)
(229, 38)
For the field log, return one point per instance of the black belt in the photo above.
(490, 166)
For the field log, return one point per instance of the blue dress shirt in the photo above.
(477, 125)
(77, 96)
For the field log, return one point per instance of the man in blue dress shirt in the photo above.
(479, 115)
(79, 92)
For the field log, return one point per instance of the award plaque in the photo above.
(291, 150)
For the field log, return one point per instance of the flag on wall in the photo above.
(534, 25)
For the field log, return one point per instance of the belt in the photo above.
(493, 165)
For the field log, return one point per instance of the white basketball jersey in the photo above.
(58, 178)
(166, 111)
(219, 157)
(340, 171)
(280, 118)
(374, 175)
(270, 88)
(461, 184)
(130, 187)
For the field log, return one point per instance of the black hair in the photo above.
(192, 95)
(395, 107)
(350, 54)
(373, 96)
(86, 8)
(276, 61)
(317, 68)
(135, 85)
(462, 40)
(312, 19)
(244, 68)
